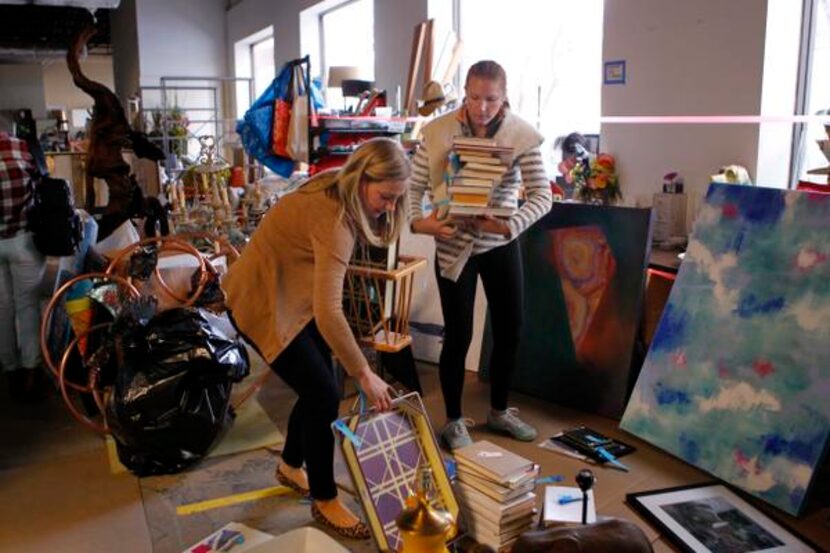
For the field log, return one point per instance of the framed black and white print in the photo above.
(711, 518)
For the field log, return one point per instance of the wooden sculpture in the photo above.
(109, 134)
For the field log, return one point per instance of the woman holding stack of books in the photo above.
(472, 163)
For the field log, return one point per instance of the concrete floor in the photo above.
(57, 492)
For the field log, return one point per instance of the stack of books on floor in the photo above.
(495, 491)
(480, 166)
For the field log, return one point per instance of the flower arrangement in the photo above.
(176, 123)
(595, 179)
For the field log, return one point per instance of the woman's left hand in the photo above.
(494, 225)
(376, 390)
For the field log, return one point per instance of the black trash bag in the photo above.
(212, 295)
(171, 400)
(143, 262)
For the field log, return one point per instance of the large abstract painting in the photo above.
(737, 379)
(584, 274)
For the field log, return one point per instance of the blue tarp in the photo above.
(255, 127)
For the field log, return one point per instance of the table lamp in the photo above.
(338, 74)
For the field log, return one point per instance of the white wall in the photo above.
(250, 16)
(125, 64)
(21, 86)
(394, 24)
(683, 58)
(61, 92)
(182, 38)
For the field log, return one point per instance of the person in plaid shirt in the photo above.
(21, 270)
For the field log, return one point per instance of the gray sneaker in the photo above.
(508, 422)
(454, 434)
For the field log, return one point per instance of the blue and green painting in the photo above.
(737, 379)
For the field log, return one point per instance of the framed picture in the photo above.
(383, 452)
(711, 518)
(593, 143)
(614, 72)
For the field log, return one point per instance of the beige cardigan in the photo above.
(527, 169)
(292, 271)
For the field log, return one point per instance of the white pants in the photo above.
(21, 270)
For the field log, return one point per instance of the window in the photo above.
(814, 91)
(553, 65)
(254, 66)
(347, 37)
(262, 64)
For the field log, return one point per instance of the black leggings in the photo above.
(306, 366)
(501, 274)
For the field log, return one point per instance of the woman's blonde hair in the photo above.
(376, 160)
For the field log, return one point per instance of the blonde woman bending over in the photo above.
(285, 296)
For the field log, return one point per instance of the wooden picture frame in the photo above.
(383, 452)
(710, 517)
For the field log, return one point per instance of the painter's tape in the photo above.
(439, 203)
(552, 479)
(198, 507)
(116, 467)
(347, 432)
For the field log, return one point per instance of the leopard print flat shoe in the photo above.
(360, 531)
(287, 482)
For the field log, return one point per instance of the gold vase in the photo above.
(423, 528)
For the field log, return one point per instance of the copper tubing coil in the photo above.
(221, 246)
(177, 244)
(174, 244)
(92, 382)
(50, 308)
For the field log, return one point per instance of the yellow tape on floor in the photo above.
(112, 456)
(199, 506)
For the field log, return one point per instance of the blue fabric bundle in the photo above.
(256, 126)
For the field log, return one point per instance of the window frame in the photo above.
(251, 47)
(322, 30)
(802, 95)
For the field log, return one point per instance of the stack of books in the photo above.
(495, 491)
(478, 167)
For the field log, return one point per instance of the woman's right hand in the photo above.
(376, 390)
(441, 228)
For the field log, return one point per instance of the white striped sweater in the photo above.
(527, 169)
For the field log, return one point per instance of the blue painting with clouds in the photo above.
(737, 380)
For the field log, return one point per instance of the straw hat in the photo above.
(433, 98)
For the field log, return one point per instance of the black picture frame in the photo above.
(710, 517)
(592, 141)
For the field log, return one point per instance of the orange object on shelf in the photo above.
(237, 177)
(813, 187)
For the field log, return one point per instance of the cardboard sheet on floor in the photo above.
(301, 540)
(252, 429)
(219, 478)
(234, 537)
(239, 538)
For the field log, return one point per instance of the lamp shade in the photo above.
(339, 73)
